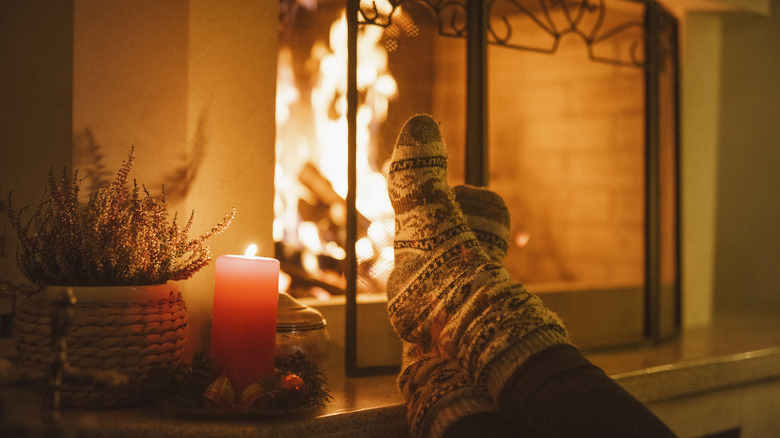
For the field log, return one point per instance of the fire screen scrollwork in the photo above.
(552, 19)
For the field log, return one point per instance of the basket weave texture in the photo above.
(129, 330)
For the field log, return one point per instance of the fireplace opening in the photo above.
(311, 171)
(580, 138)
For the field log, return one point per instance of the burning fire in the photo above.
(311, 168)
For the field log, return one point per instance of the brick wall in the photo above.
(566, 139)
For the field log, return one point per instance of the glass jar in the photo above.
(301, 328)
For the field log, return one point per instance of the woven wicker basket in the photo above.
(127, 329)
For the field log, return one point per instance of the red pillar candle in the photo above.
(243, 331)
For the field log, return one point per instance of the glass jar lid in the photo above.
(294, 316)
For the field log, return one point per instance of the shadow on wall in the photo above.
(176, 184)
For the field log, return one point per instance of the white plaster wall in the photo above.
(35, 104)
(747, 239)
(189, 83)
(231, 107)
(700, 112)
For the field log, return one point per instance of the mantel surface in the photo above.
(746, 348)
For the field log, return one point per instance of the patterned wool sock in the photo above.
(437, 391)
(491, 325)
(487, 216)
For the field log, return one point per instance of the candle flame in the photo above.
(251, 250)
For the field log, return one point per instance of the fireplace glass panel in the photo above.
(566, 139)
(567, 151)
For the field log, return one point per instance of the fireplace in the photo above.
(568, 109)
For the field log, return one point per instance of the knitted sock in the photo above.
(487, 216)
(437, 391)
(491, 325)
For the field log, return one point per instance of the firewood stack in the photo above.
(326, 209)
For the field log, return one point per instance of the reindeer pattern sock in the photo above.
(490, 324)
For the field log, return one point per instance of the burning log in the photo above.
(327, 208)
(313, 180)
(328, 199)
(314, 258)
(301, 278)
(327, 275)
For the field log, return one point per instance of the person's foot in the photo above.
(437, 391)
(488, 217)
(444, 282)
(433, 243)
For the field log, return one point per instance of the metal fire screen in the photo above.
(483, 23)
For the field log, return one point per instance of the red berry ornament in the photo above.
(293, 383)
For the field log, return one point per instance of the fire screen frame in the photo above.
(662, 313)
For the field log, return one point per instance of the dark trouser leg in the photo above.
(561, 394)
(482, 425)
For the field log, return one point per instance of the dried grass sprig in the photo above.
(120, 237)
(10, 288)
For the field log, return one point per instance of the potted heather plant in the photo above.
(120, 257)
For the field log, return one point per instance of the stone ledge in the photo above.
(683, 379)
(735, 352)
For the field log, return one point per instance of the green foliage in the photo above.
(180, 384)
(315, 392)
(120, 237)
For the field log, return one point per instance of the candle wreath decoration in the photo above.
(296, 384)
